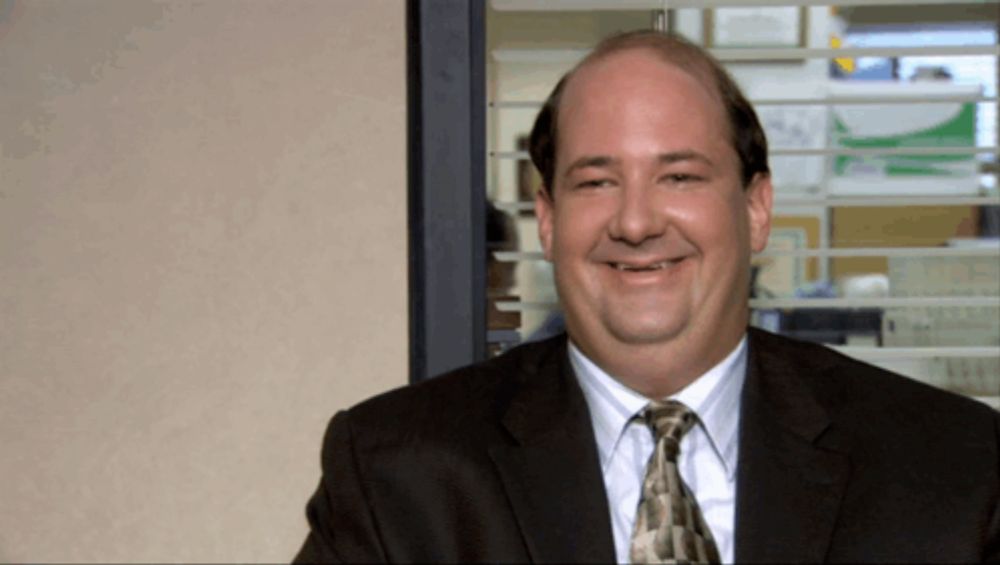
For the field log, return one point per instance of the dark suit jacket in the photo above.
(838, 461)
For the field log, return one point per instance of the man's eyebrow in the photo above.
(663, 158)
(686, 155)
(591, 161)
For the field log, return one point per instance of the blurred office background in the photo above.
(222, 221)
(882, 123)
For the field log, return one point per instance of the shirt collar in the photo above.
(714, 397)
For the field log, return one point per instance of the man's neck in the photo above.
(658, 370)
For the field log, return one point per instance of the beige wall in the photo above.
(202, 256)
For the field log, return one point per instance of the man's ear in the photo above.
(543, 212)
(759, 197)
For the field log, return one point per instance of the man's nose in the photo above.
(636, 218)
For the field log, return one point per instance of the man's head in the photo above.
(747, 135)
(654, 200)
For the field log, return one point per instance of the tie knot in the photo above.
(669, 420)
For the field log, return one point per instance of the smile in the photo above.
(650, 267)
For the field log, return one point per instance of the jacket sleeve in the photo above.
(342, 528)
(992, 552)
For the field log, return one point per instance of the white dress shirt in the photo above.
(708, 454)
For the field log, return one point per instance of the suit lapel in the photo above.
(552, 472)
(788, 488)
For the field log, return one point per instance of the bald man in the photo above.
(660, 427)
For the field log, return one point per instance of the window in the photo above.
(884, 242)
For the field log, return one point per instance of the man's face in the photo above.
(649, 227)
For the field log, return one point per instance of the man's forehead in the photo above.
(636, 104)
(632, 72)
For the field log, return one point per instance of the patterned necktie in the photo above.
(669, 527)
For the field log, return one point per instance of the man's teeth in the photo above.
(652, 267)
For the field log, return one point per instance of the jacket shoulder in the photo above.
(456, 402)
(844, 384)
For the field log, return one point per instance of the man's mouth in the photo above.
(635, 267)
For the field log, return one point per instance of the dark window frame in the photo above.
(446, 196)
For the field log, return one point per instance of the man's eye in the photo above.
(678, 178)
(593, 183)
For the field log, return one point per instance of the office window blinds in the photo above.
(882, 122)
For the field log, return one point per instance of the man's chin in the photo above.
(635, 332)
(626, 324)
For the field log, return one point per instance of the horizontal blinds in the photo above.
(960, 303)
(730, 54)
(811, 303)
(796, 152)
(514, 256)
(831, 101)
(834, 202)
(620, 5)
